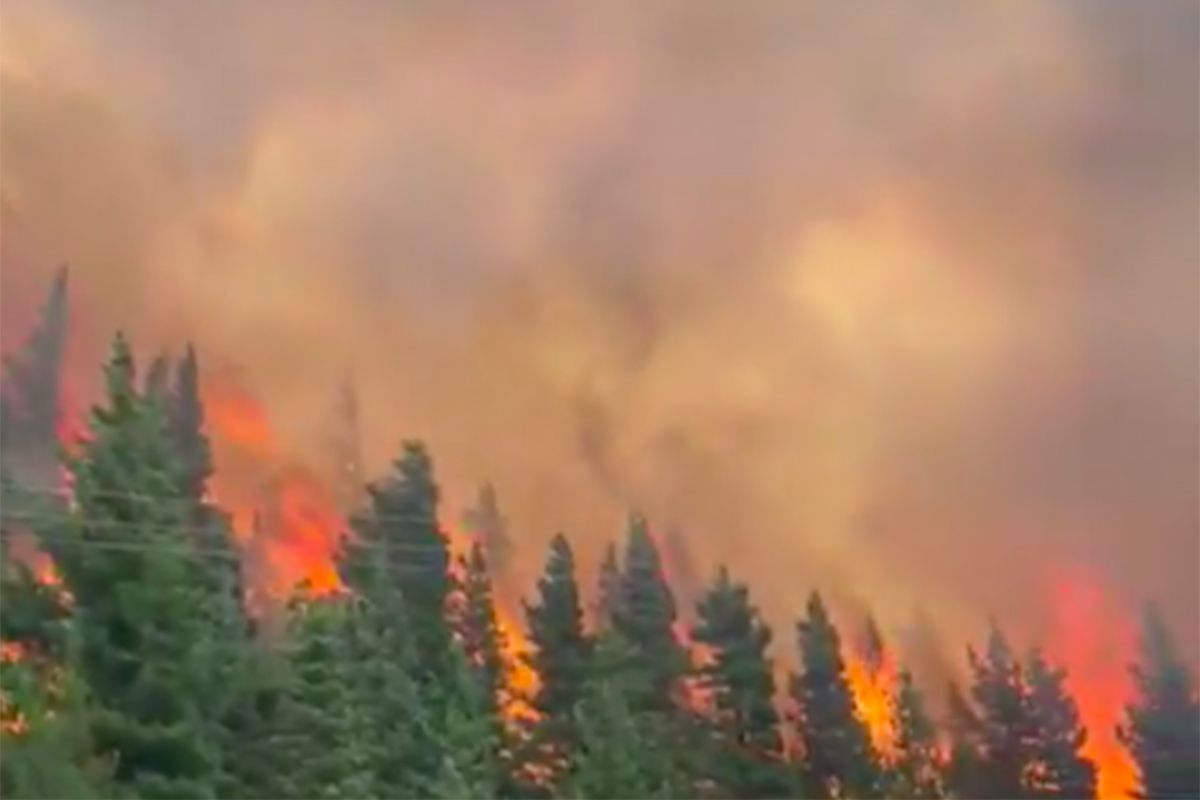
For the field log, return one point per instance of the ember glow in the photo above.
(873, 686)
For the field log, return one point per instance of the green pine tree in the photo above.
(480, 634)
(623, 751)
(402, 522)
(322, 736)
(1006, 724)
(1163, 722)
(608, 592)
(30, 396)
(916, 773)
(489, 526)
(149, 645)
(187, 427)
(468, 739)
(1059, 770)
(838, 759)
(645, 617)
(561, 657)
(747, 758)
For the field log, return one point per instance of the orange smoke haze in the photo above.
(900, 306)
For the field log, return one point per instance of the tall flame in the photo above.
(873, 687)
(1093, 639)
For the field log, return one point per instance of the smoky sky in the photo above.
(898, 301)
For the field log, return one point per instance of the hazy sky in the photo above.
(895, 299)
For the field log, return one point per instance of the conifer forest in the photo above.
(599, 401)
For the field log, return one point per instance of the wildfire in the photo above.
(1094, 640)
(873, 686)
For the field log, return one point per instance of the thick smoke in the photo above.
(898, 300)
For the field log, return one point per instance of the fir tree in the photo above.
(623, 751)
(744, 724)
(468, 740)
(481, 637)
(322, 733)
(158, 374)
(401, 522)
(1163, 722)
(30, 396)
(147, 644)
(838, 758)
(187, 427)
(561, 656)
(608, 592)
(646, 616)
(964, 768)
(1058, 769)
(916, 773)
(1006, 725)
(490, 528)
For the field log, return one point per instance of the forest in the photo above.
(133, 665)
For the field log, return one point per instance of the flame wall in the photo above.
(902, 304)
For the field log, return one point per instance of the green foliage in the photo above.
(1057, 768)
(645, 617)
(837, 755)
(480, 634)
(747, 749)
(1163, 729)
(916, 773)
(608, 592)
(561, 657)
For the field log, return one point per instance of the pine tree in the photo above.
(468, 739)
(1163, 727)
(916, 773)
(561, 657)
(489, 526)
(744, 725)
(623, 751)
(402, 522)
(1058, 769)
(158, 374)
(30, 396)
(646, 616)
(322, 733)
(964, 768)
(838, 758)
(608, 592)
(147, 645)
(480, 634)
(1006, 724)
(187, 427)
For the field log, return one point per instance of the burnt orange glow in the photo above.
(236, 418)
(873, 686)
(521, 679)
(1093, 639)
(25, 550)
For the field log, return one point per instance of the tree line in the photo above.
(135, 671)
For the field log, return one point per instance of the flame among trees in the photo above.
(400, 669)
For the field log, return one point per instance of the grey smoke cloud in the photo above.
(900, 301)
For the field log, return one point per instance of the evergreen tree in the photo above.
(561, 657)
(645, 617)
(158, 374)
(322, 733)
(1006, 725)
(489, 526)
(963, 771)
(838, 758)
(623, 751)
(147, 645)
(468, 740)
(916, 773)
(187, 427)
(744, 724)
(481, 637)
(30, 391)
(401, 522)
(1163, 722)
(1058, 769)
(609, 590)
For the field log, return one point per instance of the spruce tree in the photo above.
(645, 617)
(744, 725)
(624, 751)
(561, 657)
(481, 637)
(1058, 769)
(964, 768)
(30, 389)
(490, 528)
(401, 522)
(468, 738)
(1006, 725)
(158, 374)
(838, 758)
(1163, 722)
(187, 427)
(608, 592)
(916, 773)
(323, 737)
(148, 645)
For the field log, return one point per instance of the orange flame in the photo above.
(873, 687)
(1093, 640)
